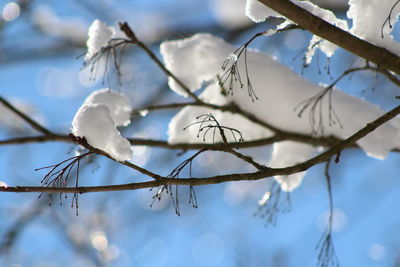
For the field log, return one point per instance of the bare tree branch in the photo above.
(133, 39)
(35, 125)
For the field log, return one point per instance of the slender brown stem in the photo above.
(133, 39)
(35, 125)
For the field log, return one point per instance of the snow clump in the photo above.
(97, 119)
(99, 36)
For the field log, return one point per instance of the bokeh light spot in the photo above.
(99, 240)
(376, 252)
(11, 11)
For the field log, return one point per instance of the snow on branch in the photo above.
(97, 119)
(279, 90)
(383, 56)
(99, 36)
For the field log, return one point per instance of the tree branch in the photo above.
(378, 55)
(265, 173)
(133, 39)
(35, 125)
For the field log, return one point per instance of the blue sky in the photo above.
(223, 230)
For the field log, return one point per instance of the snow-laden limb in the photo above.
(94, 122)
(258, 12)
(374, 21)
(289, 153)
(118, 104)
(99, 35)
(198, 59)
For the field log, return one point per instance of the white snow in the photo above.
(94, 122)
(97, 119)
(326, 47)
(99, 36)
(369, 17)
(258, 12)
(118, 104)
(193, 72)
(198, 59)
(289, 153)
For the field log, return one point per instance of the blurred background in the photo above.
(42, 73)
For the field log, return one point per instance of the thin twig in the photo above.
(82, 141)
(327, 255)
(35, 125)
(134, 40)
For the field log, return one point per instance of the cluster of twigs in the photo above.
(315, 105)
(59, 175)
(231, 72)
(327, 255)
(174, 194)
(232, 66)
(316, 111)
(108, 57)
(274, 202)
(208, 124)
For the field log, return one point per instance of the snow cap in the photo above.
(99, 36)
